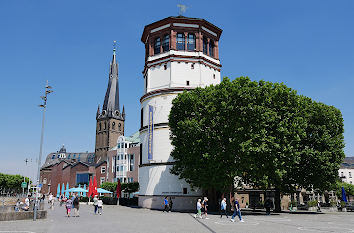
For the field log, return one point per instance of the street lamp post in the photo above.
(44, 105)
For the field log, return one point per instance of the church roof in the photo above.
(111, 107)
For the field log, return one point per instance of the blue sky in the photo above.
(308, 45)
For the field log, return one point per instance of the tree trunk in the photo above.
(277, 200)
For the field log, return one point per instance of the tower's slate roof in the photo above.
(111, 107)
(69, 157)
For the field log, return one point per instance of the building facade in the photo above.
(125, 159)
(346, 170)
(110, 121)
(180, 54)
(66, 167)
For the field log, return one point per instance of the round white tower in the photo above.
(180, 53)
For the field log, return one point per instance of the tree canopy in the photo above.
(264, 133)
(11, 183)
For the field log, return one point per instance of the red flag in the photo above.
(90, 188)
(118, 188)
(94, 187)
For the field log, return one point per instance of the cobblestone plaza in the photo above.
(125, 219)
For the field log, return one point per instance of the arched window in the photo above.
(105, 125)
(157, 44)
(180, 41)
(211, 48)
(100, 127)
(53, 156)
(166, 43)
(113, 125)
(119, 126)
(205, 46)
(191, 42)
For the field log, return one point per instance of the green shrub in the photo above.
(312, 203)
(342, 204)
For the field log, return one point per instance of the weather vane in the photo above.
(182, 9)
(114, 45)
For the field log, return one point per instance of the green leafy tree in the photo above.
(261, 132)
(112, 187)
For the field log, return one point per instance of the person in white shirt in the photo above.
(51, 201)
(100, 206)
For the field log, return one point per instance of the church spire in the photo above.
(111, 100)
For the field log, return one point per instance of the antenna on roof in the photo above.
(182, 9)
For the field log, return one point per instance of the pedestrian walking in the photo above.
(199, 209)
(268, 204)
(165, 202)
(95, 204)
(223, 208)
(205, 207)
(51, 201)
(170, 204)
(237, 211)
(318, 206)
(68, 205)
(76, 205)
(100, 206)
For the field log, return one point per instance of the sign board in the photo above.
(150, 131)
(23, 185)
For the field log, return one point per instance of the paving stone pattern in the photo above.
(125, 219)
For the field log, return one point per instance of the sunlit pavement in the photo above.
(125, 219)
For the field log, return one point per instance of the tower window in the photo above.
(166, 43)
(113, 125)
(192, 66)
(187, 83)
(205, 46)
(165, 66)
(141, 117)
(157, 45)
(191, 42)
(105, 125)
(100, 127)
(119, 126)
(214, 76)
(180, 41)
(211, 48)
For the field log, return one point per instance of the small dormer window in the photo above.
(157, 45)
(53, 156)
(191, 42)
(180, 41)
